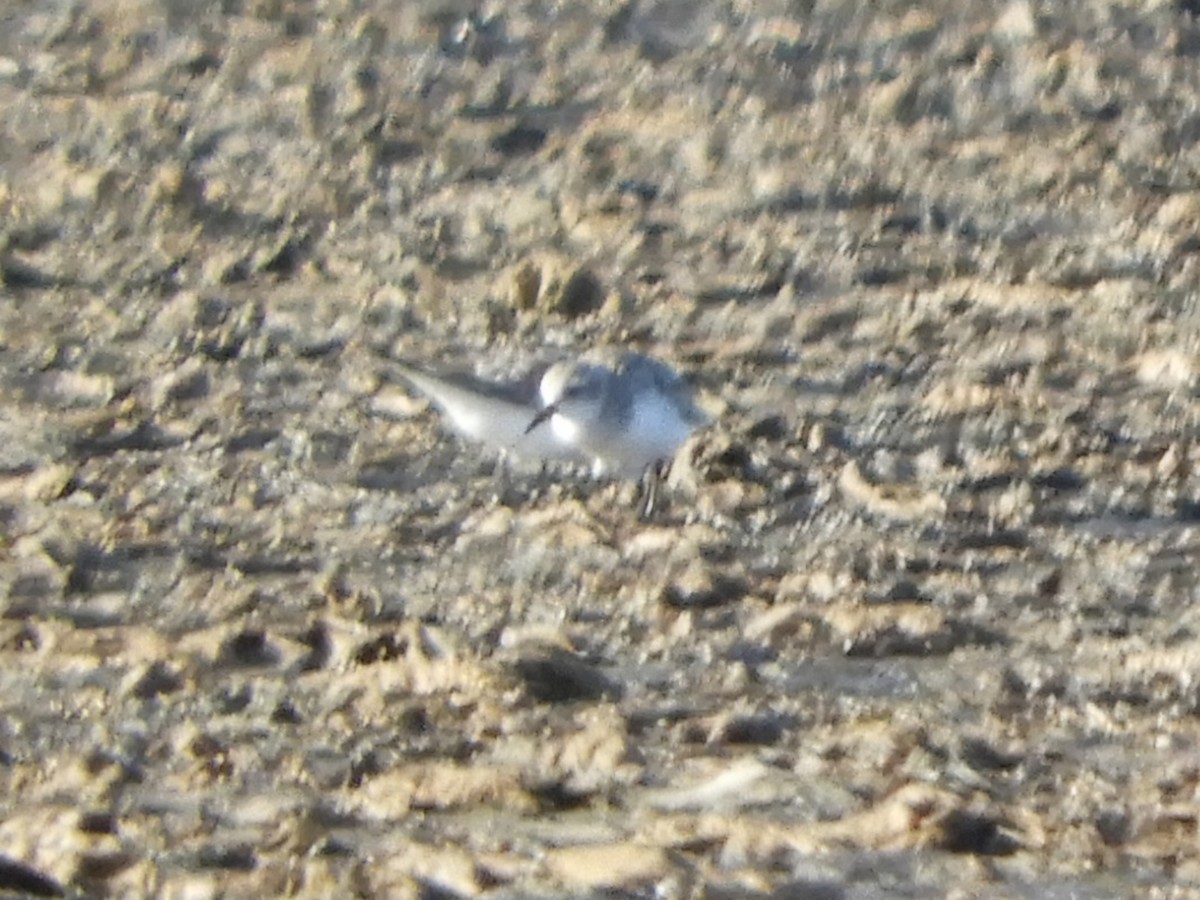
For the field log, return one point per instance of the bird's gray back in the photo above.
(494, 413)
(643, 373)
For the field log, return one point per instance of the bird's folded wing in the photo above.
(495, 414)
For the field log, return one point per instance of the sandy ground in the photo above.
(917, 619)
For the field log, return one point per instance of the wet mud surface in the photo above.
(917, 617)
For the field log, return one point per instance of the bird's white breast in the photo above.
(654, 431)
(656, 425)
(566, 430)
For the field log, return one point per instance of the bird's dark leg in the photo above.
(651, 484)
(543, 414)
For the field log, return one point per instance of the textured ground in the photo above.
(918, 618)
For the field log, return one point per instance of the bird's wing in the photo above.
(496, 414)
(670, 383)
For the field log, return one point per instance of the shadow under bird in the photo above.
(621, 413)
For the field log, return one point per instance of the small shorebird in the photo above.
(621, 413)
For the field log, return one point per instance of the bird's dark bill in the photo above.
(541, 417)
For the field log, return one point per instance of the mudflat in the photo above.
(915, 614)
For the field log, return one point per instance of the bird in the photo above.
(618, 412)
(622, 413)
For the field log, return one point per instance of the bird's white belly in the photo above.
(654, 431)
(656, 427)
(565, 430)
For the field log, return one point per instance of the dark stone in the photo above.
(520, 140)
(250, 648)
(158, 679)
(552, 675)
(581, 295)
(18, 878)
(975, 833)
(237, 858)
(983, 756)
